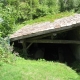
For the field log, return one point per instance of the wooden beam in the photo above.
(40, 36)
(48, 34)
(24, 47)
(55, 41)
(29, 46)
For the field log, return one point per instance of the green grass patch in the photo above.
(36, 70)
(50, 18)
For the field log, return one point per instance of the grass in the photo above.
(36, 70)
(50, 18)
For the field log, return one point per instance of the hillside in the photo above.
(36, 70)
(15, 14)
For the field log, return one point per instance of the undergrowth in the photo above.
(5, 50)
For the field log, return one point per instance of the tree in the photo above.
(8, 20)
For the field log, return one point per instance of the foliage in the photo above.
(69, 5)
(8, 20)
(49, 17)
(5, 51)
(14, 12)
(36, 70)
(77, 5)
(47, 7)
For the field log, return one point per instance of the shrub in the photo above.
(5, 50)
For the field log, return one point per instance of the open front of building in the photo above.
(58, 41)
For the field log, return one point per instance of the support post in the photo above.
(24, 47)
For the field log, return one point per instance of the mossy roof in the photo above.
(37, 29)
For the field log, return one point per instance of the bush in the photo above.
(7, 20)
(5, 51)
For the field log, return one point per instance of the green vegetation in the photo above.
(16, 68)
(5, 51)
(50, 18)
(14, 12)
(36, 70)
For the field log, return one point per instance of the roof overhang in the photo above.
(58, 25)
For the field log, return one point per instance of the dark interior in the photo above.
(52, 51)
